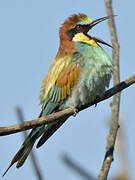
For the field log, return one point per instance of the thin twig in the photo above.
(65, 113)
(77, 168)
(32, 154)
(111, 139)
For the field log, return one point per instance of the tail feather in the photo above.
(20, 156)
(25, 155)
(49, 132)
(25, 149)
(27, 146)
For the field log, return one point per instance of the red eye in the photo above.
(79, 27)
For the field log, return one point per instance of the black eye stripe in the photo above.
(82, 26)
(71, 33)
(79, 27)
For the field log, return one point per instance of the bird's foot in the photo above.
(75, 110)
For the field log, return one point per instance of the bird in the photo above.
(80, 72)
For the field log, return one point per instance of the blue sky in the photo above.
(28, 43)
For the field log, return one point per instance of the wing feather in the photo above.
(57, 87)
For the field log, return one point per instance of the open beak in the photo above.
(95, 22)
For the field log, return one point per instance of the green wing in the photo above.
(59, 92)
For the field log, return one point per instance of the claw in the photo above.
(75, 110)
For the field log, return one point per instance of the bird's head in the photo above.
(76, 27)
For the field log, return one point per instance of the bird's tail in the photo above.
(27, 145)
(26, 148)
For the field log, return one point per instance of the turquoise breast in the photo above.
(95, 76)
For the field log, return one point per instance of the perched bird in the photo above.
(80, 71)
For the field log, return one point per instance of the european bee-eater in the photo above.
(80, 71)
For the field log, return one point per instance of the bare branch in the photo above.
(77, 168)
(65, 113)
(32, 154)
(111, 139)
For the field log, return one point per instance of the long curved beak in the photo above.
(95, 22)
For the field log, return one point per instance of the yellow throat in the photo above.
(80, 37)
